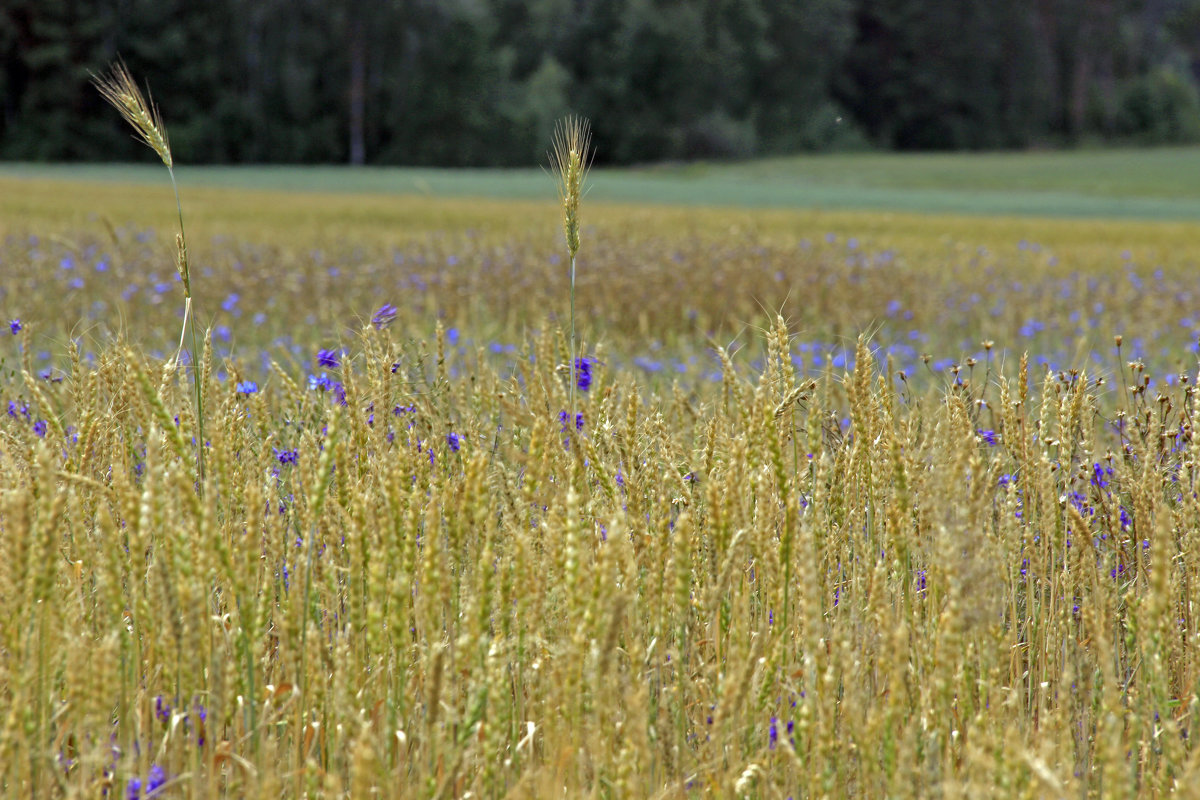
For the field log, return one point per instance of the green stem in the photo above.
(571, 419)
(187, 292)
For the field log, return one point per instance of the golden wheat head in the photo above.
(120, 90)
(570, 160)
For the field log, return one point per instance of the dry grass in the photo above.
(767, 570)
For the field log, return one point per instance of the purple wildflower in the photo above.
(162, 710)
(563, 418)
(454, 440)
(155, 779)
(329, 358)
(246, 387)
(583, 373)
(39, 428)
(15, 326)
(384, 317)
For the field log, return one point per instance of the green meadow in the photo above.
(872, 476)
(1135, 184)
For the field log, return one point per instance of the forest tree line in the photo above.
(480, 82)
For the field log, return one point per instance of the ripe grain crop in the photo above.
(907, 512)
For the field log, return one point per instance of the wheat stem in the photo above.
(570, 160)
(122, 92)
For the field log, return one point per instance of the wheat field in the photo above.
(822, 505)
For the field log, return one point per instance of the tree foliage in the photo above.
(480, 82)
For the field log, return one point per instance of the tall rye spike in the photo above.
(570, 161)
(122, 92)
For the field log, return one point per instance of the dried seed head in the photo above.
(120, 90)
(570, 160)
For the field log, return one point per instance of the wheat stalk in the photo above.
(123, 93)
(570, 161)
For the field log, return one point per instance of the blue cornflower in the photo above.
(15, 326)
(384, 316)
(329, 358)
(583, 373)
(39, 428)
(648, 364)
(133, 789)
(989, 437)
(230, 302)
(202, 713)
(162, 710)
(454, 440)
(287, 456)
(563, 418)
(155, 779)
(246, 387)
(1100, 475)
